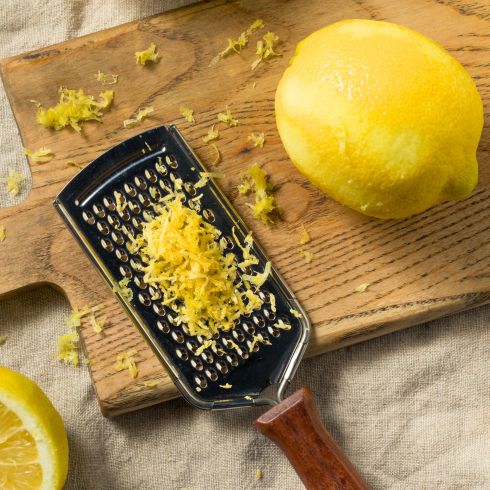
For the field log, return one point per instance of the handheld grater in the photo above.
(140, 171)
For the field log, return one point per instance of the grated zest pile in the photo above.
(126, 361)
(213, 134)
(74, 107)
(186, 260)
(227, 118)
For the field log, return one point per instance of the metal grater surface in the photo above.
(142, 169)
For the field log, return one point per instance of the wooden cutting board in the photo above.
(418, 269)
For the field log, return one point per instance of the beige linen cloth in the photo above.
(411, 409)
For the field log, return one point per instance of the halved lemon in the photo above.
(33, 442)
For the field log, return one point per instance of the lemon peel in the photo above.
(42, 155)
(13, 182)
(213, 134)
(258, 139)
(236, 45)
(258, 182)
(265, 48)
(3, 233)
(125, 360)
(149, 55)
(106, 79)
(140, 115)
(227, 118)
(74, 107)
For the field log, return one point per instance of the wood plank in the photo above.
(420, 268)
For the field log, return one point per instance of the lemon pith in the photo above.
(33, 442)
(381, 118)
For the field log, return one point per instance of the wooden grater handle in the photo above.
(295, 426)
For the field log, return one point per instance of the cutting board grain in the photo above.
(420, 268)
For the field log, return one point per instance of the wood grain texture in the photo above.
(420, 268)
(295, 426)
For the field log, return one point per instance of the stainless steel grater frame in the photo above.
(141, 170)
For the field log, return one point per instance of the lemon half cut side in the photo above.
(33, 442)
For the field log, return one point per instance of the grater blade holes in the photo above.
(207, 356)
(134, 207)
(137, 223)
(222, 367)
(88, 217)
(227, 243)
(163, 326)
(161, 169)
(114, 221)
(151, 175)
(190, 189)
(182, 353)
(238, 334)
(211, 374)
(109, 203)
(107, 244)
(159, 309)
(208, 215)
(200, 381)
(171, 161)
(138, 280)
(129, 188)
(117, 237)
(259, 321)
(155, 193)
(144, 299)
(99, 210)
(197, 364)
(122, 255)
(125, 271)
(141, 182)
(273, 331)
(178, 336)
(144, 199)
(232, 359)
(269, 314)
(102, 227)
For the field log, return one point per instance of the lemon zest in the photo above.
(213, 134)
(295, 313)
(227, 118)
(265, 48)
(13, 182)
(236, 45)
(73, 163)
(226, 386)
(256, 339)
(308, 256)
(106, 79)
(97, 324)
(258, 139)
(123, 290)
(187, 114)
(185, 259)
(3, 339)
(217, 158)
(362, 287)
(281, 325)
(74, 107)
(140, 115)
(120, 204)
(126, 360)
(152, 383)
(68, 348)
(258, 182)
(258, 474)
(147, 55)
(207, 343)
(3, 233)
(42, 155)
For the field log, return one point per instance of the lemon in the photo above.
(33, 442)
(381, 118)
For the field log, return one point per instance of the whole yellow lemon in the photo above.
(381, 118)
